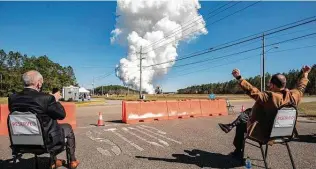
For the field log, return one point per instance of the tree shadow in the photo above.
(25, 163)
(306, 138)
(202, 159)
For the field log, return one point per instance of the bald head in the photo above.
(33, 79)
(278, 80)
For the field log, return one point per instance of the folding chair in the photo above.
(229, 106)
(25, 131)
(281, 132)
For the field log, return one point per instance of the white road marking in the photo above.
(159, 135)
(159, 131)
(103, 151)
(113, 130)
(106, 125)
(159, 140)
(141, 138)
(85, 127)
(116, 149)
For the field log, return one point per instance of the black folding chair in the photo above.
(25, 131)
(281, 133)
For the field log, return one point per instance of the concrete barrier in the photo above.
(144, 111)
(140, 111)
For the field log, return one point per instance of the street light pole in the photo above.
(140, 73)
(263, 79)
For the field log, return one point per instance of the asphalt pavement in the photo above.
(174, 144)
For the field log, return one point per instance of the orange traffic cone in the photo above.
(242, 108)
(100, 120)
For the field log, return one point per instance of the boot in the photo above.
(236, 153)
(74, 164)
(58, 163)
(226, 127)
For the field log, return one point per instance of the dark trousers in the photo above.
(71, 141)
(241, 130)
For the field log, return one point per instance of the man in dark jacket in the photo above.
(49, 110)
(265, 108)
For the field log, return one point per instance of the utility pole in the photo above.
(263, 78)
(93, 86)
(140, 72)
(1, 82)
(127, 90)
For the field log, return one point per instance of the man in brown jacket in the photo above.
(266, 106)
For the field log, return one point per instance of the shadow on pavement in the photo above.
(306, 138)
(25, 163)
(115, 121)
(201, 158)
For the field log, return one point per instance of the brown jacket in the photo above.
(267, 103)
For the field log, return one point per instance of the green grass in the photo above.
(308, 109)
(94, 102)
(3, 100)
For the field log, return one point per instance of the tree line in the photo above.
(231, 87)
(114, 89)
(14, 64)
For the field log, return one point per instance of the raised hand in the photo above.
(306, 69)
(236, 73)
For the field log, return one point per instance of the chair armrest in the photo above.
(251, 128)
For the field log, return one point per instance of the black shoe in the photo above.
(225, 127)
(237, 154)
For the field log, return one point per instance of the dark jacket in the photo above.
(47, 110)
(267, 104)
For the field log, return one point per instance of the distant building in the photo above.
(71, 93)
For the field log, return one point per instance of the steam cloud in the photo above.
(144, 22)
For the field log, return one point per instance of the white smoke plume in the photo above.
(144, 22)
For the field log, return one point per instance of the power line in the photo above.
(105, 75)
(249, 50)
(234, 44)
(265, 32)
(291, 49)
(233, 54)
(204, 69)
(241, 46)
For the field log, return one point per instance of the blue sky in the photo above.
(78, 34)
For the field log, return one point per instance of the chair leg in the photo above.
(266, 153)
(263, 156)
(16, 157)
(68, 157)
(295, 132)
(290, 154)
(36, 162)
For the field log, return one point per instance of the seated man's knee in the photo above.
(66, 125)
(244, 117)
